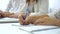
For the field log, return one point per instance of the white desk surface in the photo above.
(8, 20)
(14, 28)
(7, 28)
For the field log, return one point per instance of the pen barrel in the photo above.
(26, 13)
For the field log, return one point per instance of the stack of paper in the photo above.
(37, 29)
(8, 20)
(33, 28)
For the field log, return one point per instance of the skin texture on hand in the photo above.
(21, 20)
(47, 21)
(0, 14)
(12, 15)
(32, 19)
(6, 14)
(29, 19)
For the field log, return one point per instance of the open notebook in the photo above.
(32, 28)
(37, 28)
(8, 20)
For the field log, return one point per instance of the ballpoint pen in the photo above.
(26, 13)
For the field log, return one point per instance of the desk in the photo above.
(7, 28)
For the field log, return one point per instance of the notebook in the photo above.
(34, 28)
(37, 28)
(8, 20)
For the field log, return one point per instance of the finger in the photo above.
(25, 23)
(21, 20)
(39, 21)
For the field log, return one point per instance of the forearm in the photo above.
(21, 20)
(34, 18)
(7, 14)
(48, 21)
(57, 23)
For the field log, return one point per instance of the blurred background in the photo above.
(53, 4)
(9, 23)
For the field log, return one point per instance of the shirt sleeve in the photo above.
(9, 5)
(55, 14)
(24, 8)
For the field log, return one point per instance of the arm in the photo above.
(32, 19)
(7, 14)
(22, 20)
(48, 21)
(21, 16)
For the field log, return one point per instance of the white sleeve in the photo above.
(51, 15)
(9, 5)
(55, 14)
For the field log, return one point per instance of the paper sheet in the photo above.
(31, 27)
(8, 20)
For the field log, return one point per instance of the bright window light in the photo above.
(3, 4)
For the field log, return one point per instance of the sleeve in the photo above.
(55, 14)
(9, 5)
(24, 8)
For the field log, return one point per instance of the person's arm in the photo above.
(32, 19)
(10, 15)
(0, 14)
(48, 21)
(6, 14)
(21, 20)
(22, 14)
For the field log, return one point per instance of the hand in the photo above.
(32, 19)
(22, 21)
(0, 15)
(47, 21)
(5, 14)
(1, 12)
(13, 16)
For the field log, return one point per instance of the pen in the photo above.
(26, 13)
